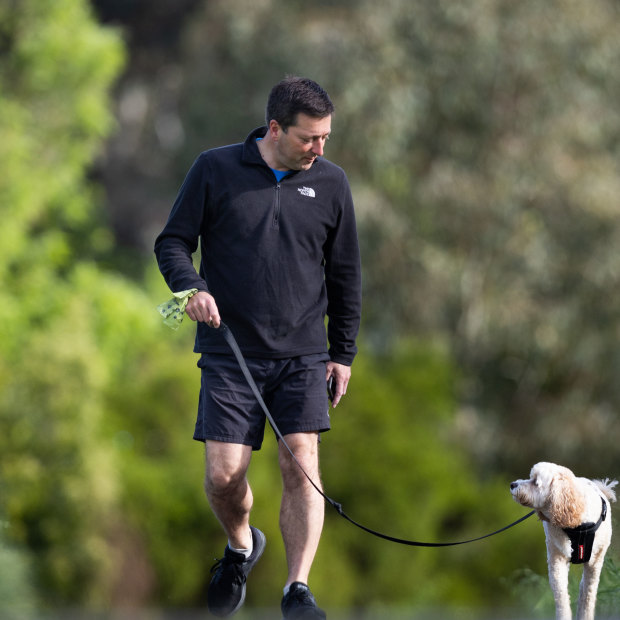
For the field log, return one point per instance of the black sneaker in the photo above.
(226, 591)
(299, 604)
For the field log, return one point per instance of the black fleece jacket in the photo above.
(276, 256)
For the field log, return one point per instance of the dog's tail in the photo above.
(607, 488)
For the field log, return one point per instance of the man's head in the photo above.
(298, 124)
(295, 95)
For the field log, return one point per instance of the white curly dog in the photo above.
(576, 516)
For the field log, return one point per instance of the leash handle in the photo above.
(232, 343)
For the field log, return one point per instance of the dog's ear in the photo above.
(542, 475)
(566, 503)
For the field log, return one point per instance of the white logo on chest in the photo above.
(306, 191)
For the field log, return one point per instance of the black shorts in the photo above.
(293, 389)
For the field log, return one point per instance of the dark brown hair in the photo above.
(294, 95)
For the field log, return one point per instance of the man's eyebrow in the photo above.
(314, 136)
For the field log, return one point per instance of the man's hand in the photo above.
(341, 375)
(201, 307)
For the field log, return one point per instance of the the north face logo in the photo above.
(306, 191)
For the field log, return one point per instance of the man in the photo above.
(279, 251)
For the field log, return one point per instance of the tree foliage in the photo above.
(500, 167)
(56, 67)
(481, 140)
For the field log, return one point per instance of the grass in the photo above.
(534, 591)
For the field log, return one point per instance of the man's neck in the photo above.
(267, 149)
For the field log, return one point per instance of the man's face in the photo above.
(302, 143)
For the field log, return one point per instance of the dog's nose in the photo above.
(513, 485)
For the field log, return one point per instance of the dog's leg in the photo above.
(588, 588)
(558, 580)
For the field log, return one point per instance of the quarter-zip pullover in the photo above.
(276, 256)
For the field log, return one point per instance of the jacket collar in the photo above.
(251, 154)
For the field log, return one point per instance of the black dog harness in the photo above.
(582, 538)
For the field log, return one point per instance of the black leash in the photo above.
(232, 343)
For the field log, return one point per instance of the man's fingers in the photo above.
(214, 321)
(340, 375)
(339, 391)
(201, 307)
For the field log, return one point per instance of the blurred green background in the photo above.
(482, 142)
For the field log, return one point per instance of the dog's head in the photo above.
(552, 491)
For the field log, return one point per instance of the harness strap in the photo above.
(582, 538)
(232, 343)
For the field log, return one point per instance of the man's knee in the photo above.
(221, 481)
(226, 468)
(305, 448)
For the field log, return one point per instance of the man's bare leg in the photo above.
(228, 490)
(302, 511)
(230, 497)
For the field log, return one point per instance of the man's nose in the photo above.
(317, 146)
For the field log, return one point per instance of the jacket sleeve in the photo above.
(179, 239)
(344, 282)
